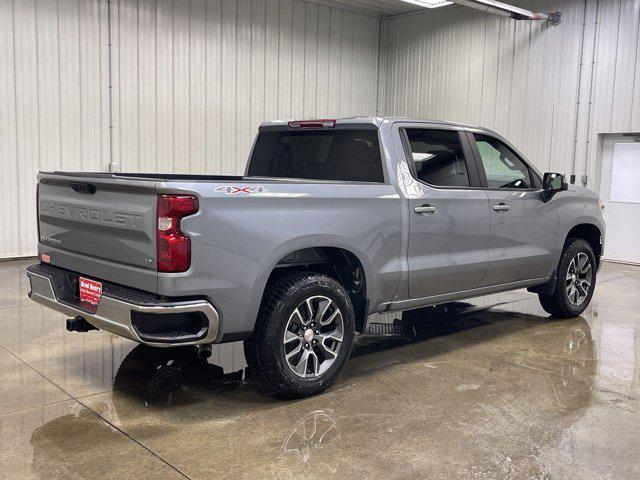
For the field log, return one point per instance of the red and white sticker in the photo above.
(90, 291)
(45, 258)
(241, 189)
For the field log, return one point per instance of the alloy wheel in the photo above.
(313, 336)
(578, 280)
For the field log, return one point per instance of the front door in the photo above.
(448, 214)
(620, 196)
(523, 226)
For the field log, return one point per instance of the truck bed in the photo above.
(147, 176)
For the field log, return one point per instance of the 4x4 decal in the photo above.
(247, 190)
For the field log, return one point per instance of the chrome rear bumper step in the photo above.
(116, 311)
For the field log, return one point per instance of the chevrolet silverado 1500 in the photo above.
(333, 220)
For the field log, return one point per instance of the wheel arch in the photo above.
(338, 262)
(585, 230)
(591, 234)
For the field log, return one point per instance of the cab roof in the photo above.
(365, 120)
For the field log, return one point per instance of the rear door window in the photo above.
(438, 157)
(346, 155)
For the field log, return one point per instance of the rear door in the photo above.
(523, 226)
(100, 226)
(448, 213)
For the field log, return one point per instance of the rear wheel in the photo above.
(303, 335)
(576, 281)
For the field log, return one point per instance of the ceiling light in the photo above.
(429, 3)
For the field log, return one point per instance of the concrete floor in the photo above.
(499, 392)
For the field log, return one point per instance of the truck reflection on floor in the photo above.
(314, 431)
(163, 372)
(187, 398)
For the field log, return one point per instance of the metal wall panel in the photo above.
(550, 90)
(192, 79)
(195, 78)
(53, 110)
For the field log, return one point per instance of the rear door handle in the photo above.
(502, 207)
(426, 209)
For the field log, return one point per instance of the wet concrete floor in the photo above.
(489, 388)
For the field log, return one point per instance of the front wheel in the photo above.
(303, 335)
(576, 281)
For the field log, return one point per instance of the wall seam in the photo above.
(495, 103)
(80, 88)
(633, 82)
(189, 112)
(155, 81)
(596, 39)
(15, 99)
(277, 63)
(578, 92)
(484, 59)
(138, 84)
(59, 162)
(615, 69)
(206, 83)
(35, 14)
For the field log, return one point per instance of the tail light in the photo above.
(319, 123)
(173, 246)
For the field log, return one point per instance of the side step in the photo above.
(396, 328)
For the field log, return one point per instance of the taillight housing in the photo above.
(173, 245)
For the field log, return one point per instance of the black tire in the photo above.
(265, 350)
(558, 303)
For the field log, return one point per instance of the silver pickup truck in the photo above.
(334, 220)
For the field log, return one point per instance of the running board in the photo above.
(390, 329)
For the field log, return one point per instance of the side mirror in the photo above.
(551, 184)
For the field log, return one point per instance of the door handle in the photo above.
(502, 207)
(426, 209)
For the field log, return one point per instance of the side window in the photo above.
(438, 158)
(502, 167)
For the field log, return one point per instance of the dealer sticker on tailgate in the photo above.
(90, 291)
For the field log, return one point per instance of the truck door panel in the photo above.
(523, 226)
(449, 223)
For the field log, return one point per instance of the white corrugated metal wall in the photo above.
(550, 90)
(195, 78)
(53, 103)
(191, 81)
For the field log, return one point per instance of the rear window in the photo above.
(348, 155)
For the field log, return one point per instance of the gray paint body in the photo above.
(409, 260)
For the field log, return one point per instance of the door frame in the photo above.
(603, 139)
(470, 160)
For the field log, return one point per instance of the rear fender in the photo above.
(310, 241)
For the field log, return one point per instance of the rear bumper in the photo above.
(127, 312)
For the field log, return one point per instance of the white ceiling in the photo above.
(372, 7)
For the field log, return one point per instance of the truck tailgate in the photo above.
(100, 226)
